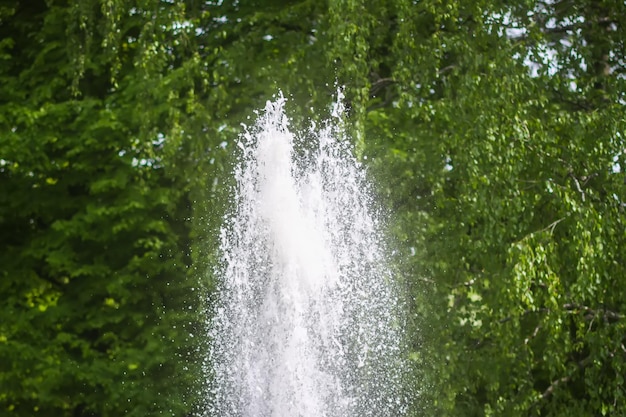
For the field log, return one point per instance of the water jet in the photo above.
(307, 319)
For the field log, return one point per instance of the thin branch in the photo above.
(548, 392)
(552, 225)
(532, 336)
(560, 30)
(525, 313)
(577, 184)
(380, 84)
(591, 313)
(446, 69)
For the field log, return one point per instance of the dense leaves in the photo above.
(494, 132)
(94, 219)
(512, 164)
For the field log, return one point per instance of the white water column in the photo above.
(306, 323)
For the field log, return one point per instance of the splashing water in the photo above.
(307, 323)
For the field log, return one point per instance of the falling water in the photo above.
(307, 323)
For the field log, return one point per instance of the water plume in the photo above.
(306, 323)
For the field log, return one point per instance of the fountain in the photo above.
(307, 322)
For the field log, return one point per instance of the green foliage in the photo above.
(493, 131)
(94, 216)
(505, 179)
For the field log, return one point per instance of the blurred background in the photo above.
(493, 132)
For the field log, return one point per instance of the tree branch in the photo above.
(548, 392)
(379, 85)
(590, 313)
(577, 184)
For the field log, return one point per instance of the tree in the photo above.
(95, 211)
(493, 130)
(501, 149)
(118, 124)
